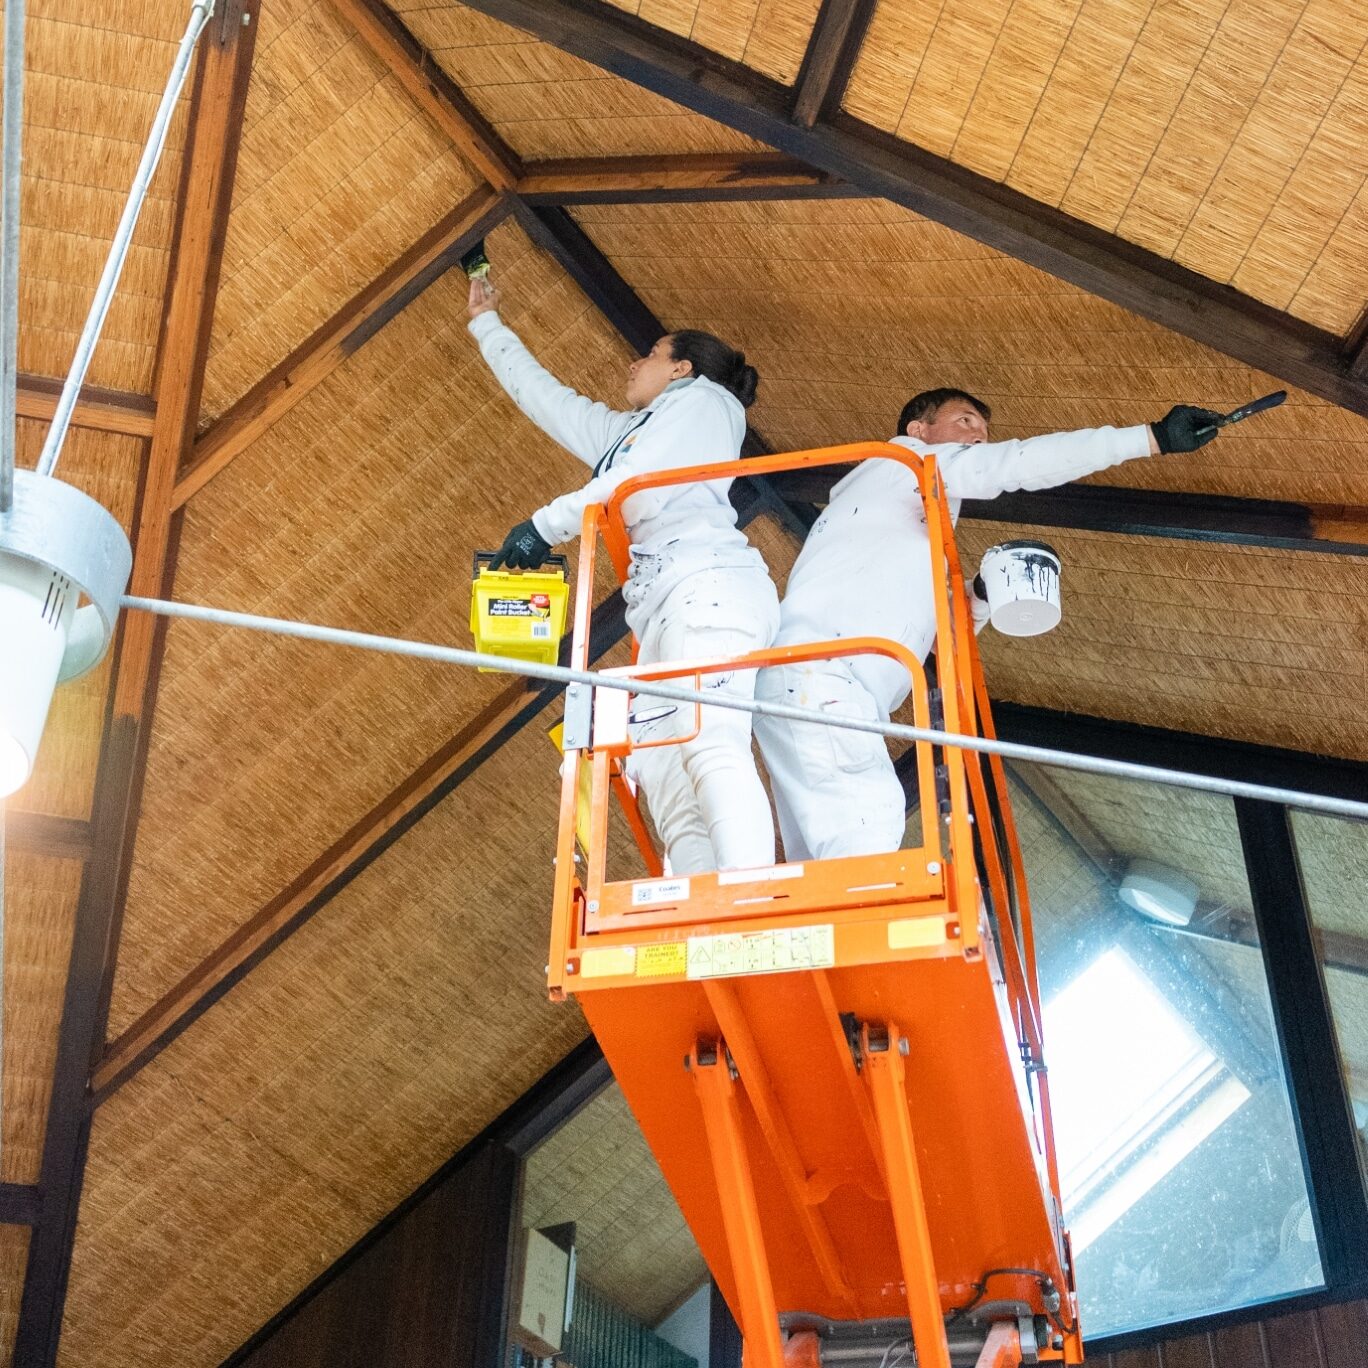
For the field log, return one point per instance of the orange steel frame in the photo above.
(656, 959)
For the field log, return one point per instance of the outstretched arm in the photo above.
(584, 428)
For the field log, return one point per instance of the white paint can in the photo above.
(1022, 582)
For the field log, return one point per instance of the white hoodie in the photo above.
(675, 530)
(865, 569)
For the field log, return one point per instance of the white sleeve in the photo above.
(584, 428)
(698, 428)
(988, 469)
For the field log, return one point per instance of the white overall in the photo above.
(865, 570)
(696, 588)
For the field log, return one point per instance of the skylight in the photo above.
(1134, 1090)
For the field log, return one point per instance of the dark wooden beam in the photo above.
(20, 1204)
(105, 410)
(1356, 349)
(37, 833)
(435, 93)
(354, 324)
(688, 178)
(208, 167)
(554, 230)
(1279, 525)
(830, 58)
(1209, 755)
(1098, 262)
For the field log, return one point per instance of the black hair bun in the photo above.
(744, 380)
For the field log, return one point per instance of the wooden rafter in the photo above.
(830, 58)
(501, 719)
(20, 1204)
(1328, 529)
(105, 410)
(277, 392)
(683, 178)
(435, 93)
(1096, 261)
(36, 833)
(205, 194)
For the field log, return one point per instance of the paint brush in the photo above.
(1257, 406)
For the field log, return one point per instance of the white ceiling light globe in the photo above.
(56, 544)
(37, 605)
(1158, 892)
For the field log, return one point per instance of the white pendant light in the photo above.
(1158, 892)
(57, 546)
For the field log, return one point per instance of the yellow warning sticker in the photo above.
(762, 952)
(656, 961)
(913, 933)
(608, 961)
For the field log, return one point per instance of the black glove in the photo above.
(1185, 428)
(523, 549)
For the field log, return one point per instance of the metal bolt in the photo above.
(570, 966)
(688, 1064)
(903, 1045)
(573, 690)
(546, 969)
(933, 866)
(593, 904)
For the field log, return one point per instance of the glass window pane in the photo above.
(1333, 854)
(1182, 1178)
(641, 1287)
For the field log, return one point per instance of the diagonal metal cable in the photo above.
(452, 655)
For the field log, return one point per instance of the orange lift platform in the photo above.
(837, 1064)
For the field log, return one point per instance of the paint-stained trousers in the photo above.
(705, 795)
(835, 791)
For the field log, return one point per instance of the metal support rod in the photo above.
(2, 972)
(884, 1076)
(118, 249)
(740, 1211)
(451, 655)
(13, 151)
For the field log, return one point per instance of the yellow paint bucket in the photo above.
(519, 613)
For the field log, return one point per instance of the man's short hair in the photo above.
(923, 406)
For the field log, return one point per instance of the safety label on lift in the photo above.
(661, 961)
(762, 952)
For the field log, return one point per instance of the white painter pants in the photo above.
(835, 791)
(705, 795)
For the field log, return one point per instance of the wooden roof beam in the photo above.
(435, 93)
(1327, 529)
(836, 39)
(105, 410)
(354, 324)
(36, 833)
(20, 1204)
(208, 167)
(1096, 261)
(406, 805)
(678, 179)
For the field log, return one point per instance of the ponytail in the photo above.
(713, 358)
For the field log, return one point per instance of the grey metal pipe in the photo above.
(123, 236)
(558, 674)
(11, 160)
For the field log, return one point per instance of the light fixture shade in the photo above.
(37, 606)
(56, 544)
(1158, 892)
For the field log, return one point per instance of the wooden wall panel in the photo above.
(14, 1242)
(427, 1294)
(849, 308)
(360, 508)
(40, 914)
(770, 36)
(545, 103)
(337, 175)
(80, 153)
(383, 1036)
(1228, 135)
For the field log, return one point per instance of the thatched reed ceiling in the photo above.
(407, 1011)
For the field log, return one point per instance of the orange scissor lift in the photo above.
(837, 1064)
